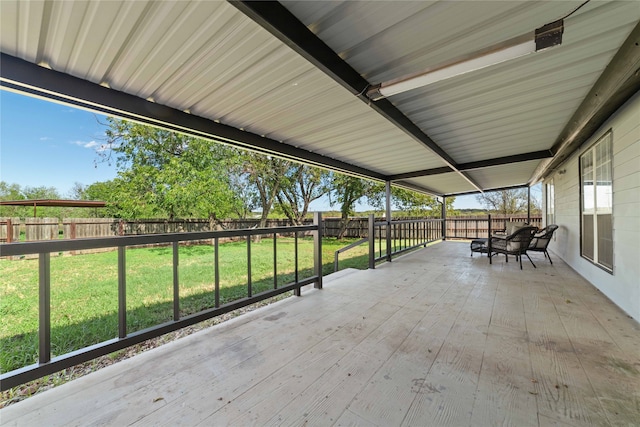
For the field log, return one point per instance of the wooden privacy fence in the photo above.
(474, 227)
(9, 230)
(37, 229)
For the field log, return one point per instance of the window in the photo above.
(596, 183)
(550, 204)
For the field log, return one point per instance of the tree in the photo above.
(77, 191)
(346, 191)
(265, 174)
(246, 196)
(409, 202)
(504, 201)
(11, 192)
(164, 173)
(300, 186)
(418, 204)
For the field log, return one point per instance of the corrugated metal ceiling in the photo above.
(211, 60)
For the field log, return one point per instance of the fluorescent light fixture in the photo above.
(548, 36)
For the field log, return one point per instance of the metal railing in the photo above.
(396, 237)
(386, 239)
(346, 248)
(47, 365)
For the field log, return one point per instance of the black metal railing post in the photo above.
(249, 292)
(317, 249)
(216, 271)
(388, 217)
(176, 284)
(122, 292)
(444, 218)
(489, 240)
(44, 320)
(529, 204)
(296, 291)
(372, 241)
(275, 261)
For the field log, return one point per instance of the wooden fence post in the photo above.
(9, 231)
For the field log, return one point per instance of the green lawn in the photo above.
(84, 289)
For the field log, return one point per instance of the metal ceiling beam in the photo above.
(281, 23)
(524, 157)
(415, 187)
(488, 190)
(420, 173)
(616, 85)
(28, 78)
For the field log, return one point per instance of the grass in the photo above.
(84, 289)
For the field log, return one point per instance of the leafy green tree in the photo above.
(163, 173)
(246, 195)
(265, 174)
(77, 191)
(11, 192)
(42, 193)
(418, 204)
(409, 202)
(346, 191)
(300, 186)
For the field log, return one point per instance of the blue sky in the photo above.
(48, 144)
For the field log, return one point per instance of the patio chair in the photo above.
(541, 240)
(516, 244)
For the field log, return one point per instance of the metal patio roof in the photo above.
(290, 78)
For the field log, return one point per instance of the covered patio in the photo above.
(435, 337)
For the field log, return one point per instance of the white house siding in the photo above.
(623, 286)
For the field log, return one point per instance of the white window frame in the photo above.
(550, 203)
(596, 166)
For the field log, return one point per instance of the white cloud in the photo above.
(91, 144)
(45, 138)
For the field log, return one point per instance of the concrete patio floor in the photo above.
(434, 338)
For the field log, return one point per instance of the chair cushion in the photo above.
(512, 226)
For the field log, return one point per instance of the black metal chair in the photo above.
(541, 240)
(516, 244)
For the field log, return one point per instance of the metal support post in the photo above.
(489, 240)
(372, 241)
(249, 290)
(443, 214)
(317, 249)
(529, 204)
(388, 217)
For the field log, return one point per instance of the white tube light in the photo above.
(457, 69)
(548, 36)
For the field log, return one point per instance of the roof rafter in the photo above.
(524, 157)
(281, 23)
(488, 190)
